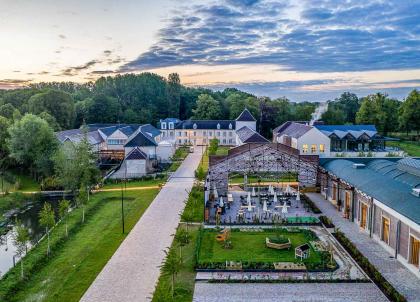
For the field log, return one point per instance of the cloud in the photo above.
(62, 36)
(13, 83)
(74, 70)
(315, 36)
(107, 53)
(102, 72)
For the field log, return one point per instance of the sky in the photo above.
(306, 50)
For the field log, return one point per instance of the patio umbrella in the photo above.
(265, 206)
(298, 195)
(284, 208)
(216, 195)
(275, 197)
(221, 203)
(253, 192)
(245, 179)
(248, 199)
(288, 188)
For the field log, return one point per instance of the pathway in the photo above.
(396, 273)
(287, 292)
(133, 271)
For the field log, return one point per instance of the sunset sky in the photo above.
(304, 50)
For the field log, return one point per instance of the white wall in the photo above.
(150, 151)
(164, 152)
(116, 135)
(314, 137)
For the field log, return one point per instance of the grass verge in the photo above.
(76, 261)
(412, 148)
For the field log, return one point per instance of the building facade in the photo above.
(382, 197)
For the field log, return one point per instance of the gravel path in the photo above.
(396, 273)
(288, 292)
(132, 272)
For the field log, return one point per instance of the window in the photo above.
(385, 230)
(116, 141)
(230, 141)
(210, 133)
(171, 134)
(163, 125)
(224, 141)
(180, 141)
(179, 133)
(224, 133)
(195, 133)
(230, 126)
(313, 148)
(185, 133)
(204, 133)
(305, 148)
(217, 133)
(195, 126)
(414, 251)
(230, 134)
(218, 126)
(321, 148)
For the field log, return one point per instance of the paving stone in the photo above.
(132, 272)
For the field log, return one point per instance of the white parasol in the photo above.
(298, 195)
(216, 195)
(288, 189)
(221, 203)
(284, 208)
(265, 206)
(275, 197)
(248, 199)
(253, 192)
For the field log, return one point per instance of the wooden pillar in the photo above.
(397, 242)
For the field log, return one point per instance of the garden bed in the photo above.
(249, 247)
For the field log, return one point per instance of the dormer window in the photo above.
(171, 125)
(230, 126)
(163, 125)
(218, 126)
(195, 126)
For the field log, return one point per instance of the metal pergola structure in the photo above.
(258, 158)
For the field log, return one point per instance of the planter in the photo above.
(277, 246)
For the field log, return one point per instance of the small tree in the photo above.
(214, 145)
(63, 210)
(21, 239)
(182, 237)
(82, 199)
(171, 267)
(47, 220)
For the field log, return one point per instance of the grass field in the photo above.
(221, 150)
(23, 183)
(134, 183)
(75, 262)
(250, 246)
(177, 159)
(412, 148)
(185, 279)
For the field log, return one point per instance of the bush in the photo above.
(310, 204)
(326, 221)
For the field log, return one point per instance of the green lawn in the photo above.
(134, 183)
(23, 182)
(412, 148)
(194, 208)
(221, 150)
(185, 279)
(250, 246)
(75, 262)
(180, 154)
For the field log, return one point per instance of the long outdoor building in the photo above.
(382, 196)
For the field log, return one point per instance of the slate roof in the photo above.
(341, 131)
(136, 154)
(247, 135)
(245, 116)
(149, 129)
(292, 129)
(63, 135)
(141, 138)
(76, 135)
(206, 124)
(383, 180)
(169, 120)
(108, 129)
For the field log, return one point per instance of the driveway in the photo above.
(133, 271)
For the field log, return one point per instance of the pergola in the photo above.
(258, 158)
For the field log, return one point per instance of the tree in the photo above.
(409, 118)
(349, 103)
(7, 110)
(63, 210)
(237, 102)
(32, 143)
(47, 220)
(171, 267)
(379, 110)
(174, 94)
(207, 108)
(50, 120)
(21, 239)
(103, 109)
(214, 145)
(334, 116)
(57, 103)
(4, 135)
(182, 237)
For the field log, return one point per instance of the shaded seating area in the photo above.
(302, 251)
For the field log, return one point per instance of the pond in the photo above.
(29, 218)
